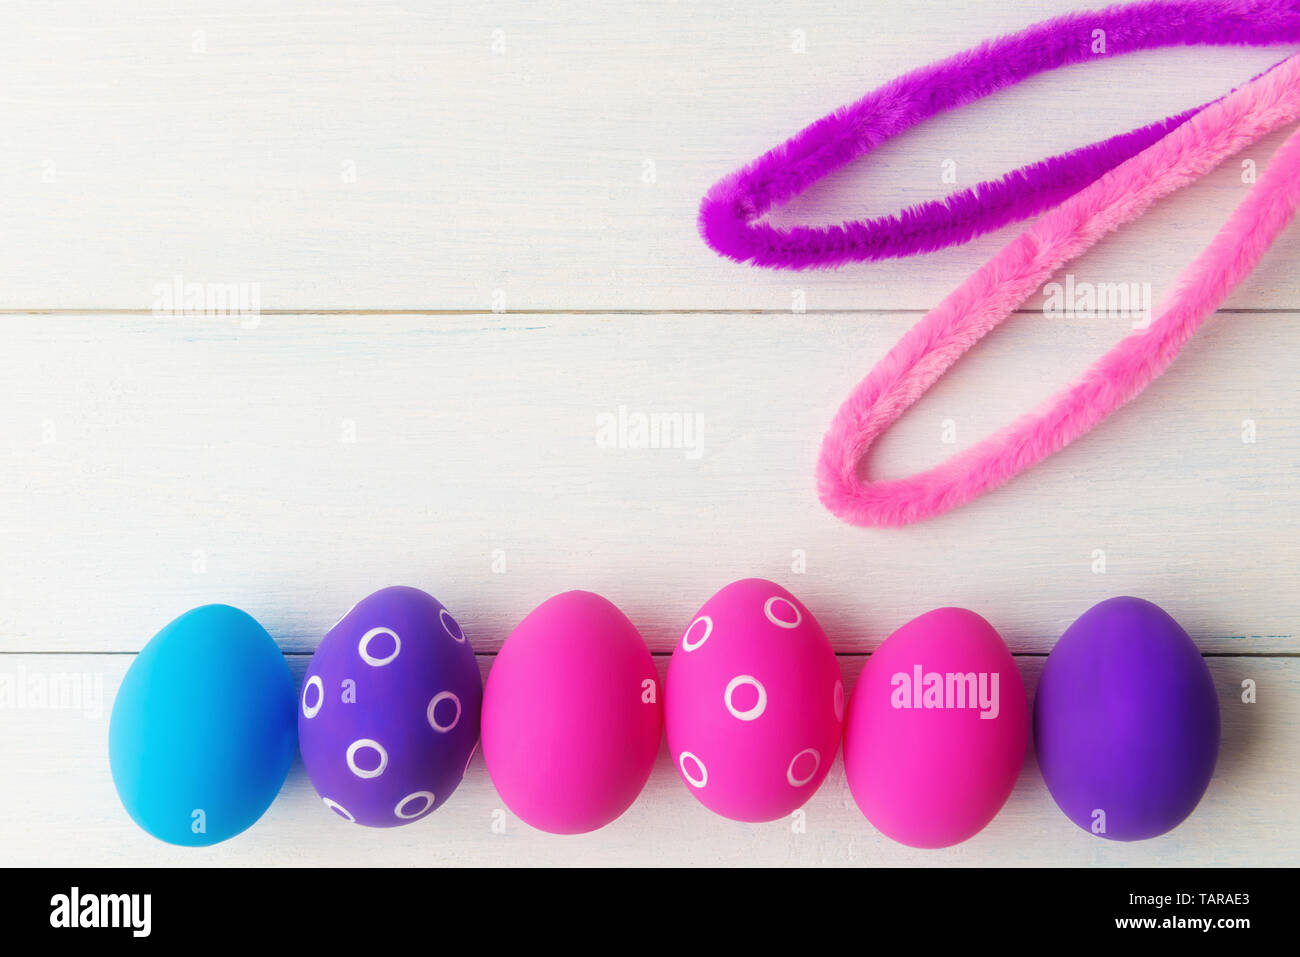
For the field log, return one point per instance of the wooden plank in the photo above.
(292, 468)
(62, 810)
(529, 156)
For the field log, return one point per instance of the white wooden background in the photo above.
(389, 174)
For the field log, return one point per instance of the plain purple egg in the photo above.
(388, 717)
(1126, 721)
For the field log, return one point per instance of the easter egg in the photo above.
(937, 730)
(202, 732)
(753, 703)
(1126, 721)
(388, 717)
(571, 715)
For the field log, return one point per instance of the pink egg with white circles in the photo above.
(753, 703)
(572, 715)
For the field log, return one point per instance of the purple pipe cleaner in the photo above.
(731, 211)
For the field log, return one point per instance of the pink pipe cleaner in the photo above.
(982, 302)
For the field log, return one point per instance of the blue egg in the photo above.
(204, 728)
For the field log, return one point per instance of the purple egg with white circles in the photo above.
(1126, 721)
(388, 716)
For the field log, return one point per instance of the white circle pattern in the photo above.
(363, 647)
(339, 809)
(687, 644)
(749, 714)
(444, 616)
(469, 759)
(311, 712)
(769, 610)
(694, 781)
(817, 763)
(433, 721)
(372, 744)
(428, 803)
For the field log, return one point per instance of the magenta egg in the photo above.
(572, 715)
(937, 730)
(753, 703)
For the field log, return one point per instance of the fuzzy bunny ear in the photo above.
(730, 218)
(990, 295)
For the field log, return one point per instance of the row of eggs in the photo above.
(206, 723)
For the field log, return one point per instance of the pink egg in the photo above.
(571, 715)
(937, 730)
(753, 703)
